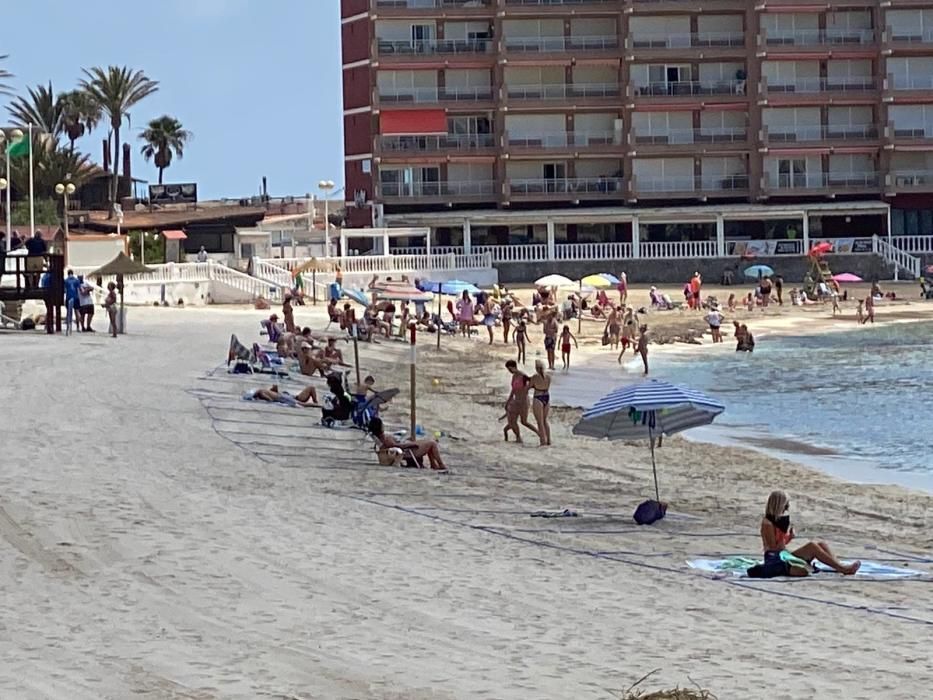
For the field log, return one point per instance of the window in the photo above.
(792, 172)
(555, 171)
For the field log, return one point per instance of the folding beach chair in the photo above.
(268, 362)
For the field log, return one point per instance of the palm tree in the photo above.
(164, 138)
(5, 75)
(40, 109)
(116, 90)
(80, 115)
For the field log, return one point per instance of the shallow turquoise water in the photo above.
(866, 394)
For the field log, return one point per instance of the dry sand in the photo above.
(165, 539)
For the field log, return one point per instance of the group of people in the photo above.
(79, 301)
(517, 404)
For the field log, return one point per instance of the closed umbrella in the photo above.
(647, 410)
(756, 271)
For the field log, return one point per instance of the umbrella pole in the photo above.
(654, 466)
(439, 321)
(356, 353)
(580, 309)
(122, 329)
(412, 361)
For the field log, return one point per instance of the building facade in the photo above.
(560, 120)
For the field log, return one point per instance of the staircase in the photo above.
(245, 283)
(281, 275)
(901, 260)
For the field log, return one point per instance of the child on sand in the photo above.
(565, 337)
(750, 302)
(836, 308)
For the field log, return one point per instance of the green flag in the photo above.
(19, 148)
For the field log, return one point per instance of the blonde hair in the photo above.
(539, 367)
(777, 504)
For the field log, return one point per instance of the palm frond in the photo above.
(5, 75)
(40, 109)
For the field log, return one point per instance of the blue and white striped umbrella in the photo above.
(645, 411)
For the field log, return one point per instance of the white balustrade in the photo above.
(592, 251)
(678, 249)
(900, 259)
(913, 244)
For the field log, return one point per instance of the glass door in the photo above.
(792, 173)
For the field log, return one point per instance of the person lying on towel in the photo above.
(777, 533)
(306, 398)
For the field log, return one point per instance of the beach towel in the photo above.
(565, 513)
(284, 399)
(737, 566)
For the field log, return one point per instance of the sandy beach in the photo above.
(162, 538)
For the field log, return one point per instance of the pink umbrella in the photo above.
(847, 277)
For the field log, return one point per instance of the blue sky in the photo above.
(256, 81)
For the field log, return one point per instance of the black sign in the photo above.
(785, 248)
(185, 193)
(862, 245)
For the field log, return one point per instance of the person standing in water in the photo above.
(541, 403)
(642, 347)
(613, 328)
(550, 338)
(565, 337)
(870, 308)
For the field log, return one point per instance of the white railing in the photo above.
(810, 85)
(819, 132)
(812, 37)
(455, 259)
(561, 91)
(705, 134)
(567, 185)
(913, 244)
(664, 88)
(685, 40)
(912, 178)
(918, 35)
(416, 47)
(273, 274)
(523, 44)
(533, 252)
(678, 249)
(421, 250)
(900, 259)
(592, 251)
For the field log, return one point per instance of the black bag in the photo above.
(650, 512)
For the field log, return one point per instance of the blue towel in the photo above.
(736, 566)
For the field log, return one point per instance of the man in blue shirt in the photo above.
(72, 285)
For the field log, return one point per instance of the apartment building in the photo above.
(514, 111)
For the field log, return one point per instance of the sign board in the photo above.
(184, 193)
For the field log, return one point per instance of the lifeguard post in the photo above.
(18, 284)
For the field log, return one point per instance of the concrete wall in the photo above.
(793, 268)
(191, 293)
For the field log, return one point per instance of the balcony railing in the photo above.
(817, 37)
(427, 47)
(718, 134)
(450, 142)
(702, 184)
(691, 88)
(548, 3)
(912, 178)
(839, 132)
(568, 185)
(561, 91)
(804, 181)
(564, 139)
(560, 43)
(431, 4)
(911, 82)
(479, 188)
(687, 40)
(847, 83)
(914, 35)
(678, 249)
(433, 94)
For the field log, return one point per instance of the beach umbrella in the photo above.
(402, 292)
(847, 277)
(821, 249)
(452, 288)
(598, 281)
(756, 271)
(612, 279)
(357, 295)
(555, 281)
(647, 410)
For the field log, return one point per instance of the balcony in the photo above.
(432, 47)
(406, 145)
(422, 192)
(834, 38)
(703, 135)
(557, 5)
(822, 183)
(699, 40)
(432, 95)
(911, 38)
(689, 88)
(451, 8)
(817, 87)
(922, 82)
(559, 44)
(573, 188)
(578, 93)
(564, 141)
(689, 186)
(910, 180)
(819, 133)
(913, 135)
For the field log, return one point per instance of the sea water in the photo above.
(866, 396)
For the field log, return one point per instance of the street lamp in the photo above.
(65, 189)
(326, 186)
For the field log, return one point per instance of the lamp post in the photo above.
(326, 186)
(15, 135)
(65, 189)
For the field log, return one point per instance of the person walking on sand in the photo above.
(110, 305)
(541, 403)
(696, 285)
(642, 347)
(506, 310)
(516, 405)
(870, 309)
(623, 289)
(613, 327)
(565, 337)
(489, 317)
(777, 533)
(836, 309)
(521, 339)
(779, 289)
(465, 314)
(550, 338)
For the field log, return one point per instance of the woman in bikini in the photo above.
(419, 448)
(521, 339)
(516, 406)
(489, 317)
(777, 533)
(613, 327)
(506, 320)
(541, 404)
(629, 330)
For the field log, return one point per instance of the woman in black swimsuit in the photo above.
(541, 404)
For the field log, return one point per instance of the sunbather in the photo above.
(311, 360)
(307, 397)
(777, 533)
(333, 353)
(419, 448)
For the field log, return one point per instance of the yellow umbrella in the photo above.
(596, 282)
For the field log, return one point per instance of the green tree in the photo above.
(46, 213)
(165, 137)
(80, 115)
(5, 75)
(40, 109)
(155, 246)
(51, 165)
(116, 90)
